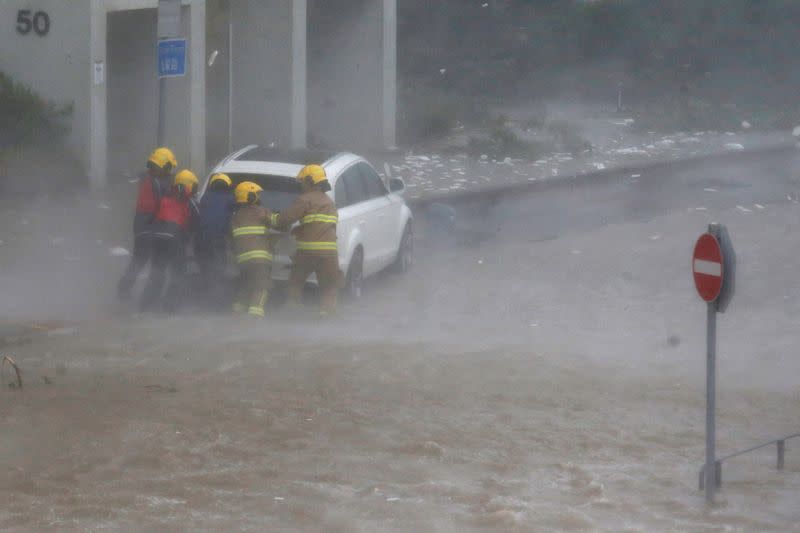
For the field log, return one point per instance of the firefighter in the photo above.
(171, 232)
(216, 208)
(160, 166)
(249, 228)
(316, 239)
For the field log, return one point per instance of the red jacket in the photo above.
(149, 195)
(176, 215)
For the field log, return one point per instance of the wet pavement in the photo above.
(540, 369)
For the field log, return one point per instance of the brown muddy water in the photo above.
(503, 386)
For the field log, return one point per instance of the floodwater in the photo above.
(507, 384)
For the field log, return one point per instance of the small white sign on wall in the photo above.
(99, 72)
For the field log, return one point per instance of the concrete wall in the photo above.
(269, 72)
(55, 65)
(351, 60)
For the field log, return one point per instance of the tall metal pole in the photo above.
(711, 393)
(162, 120)
(230, 79)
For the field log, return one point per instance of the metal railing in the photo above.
(781, 449)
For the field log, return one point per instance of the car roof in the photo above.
(285, 162)
(295, 156)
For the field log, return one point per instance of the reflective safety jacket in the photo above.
(317, 215)
(176, 216)
(250, 233)
(147, 203)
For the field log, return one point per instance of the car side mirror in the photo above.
(397, 185)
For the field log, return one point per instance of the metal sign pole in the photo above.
(711, 385)
(168, 25)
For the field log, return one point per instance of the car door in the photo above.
(385, 218)
(362, 211)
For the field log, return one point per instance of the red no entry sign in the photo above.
(707, 267)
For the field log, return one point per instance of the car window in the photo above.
(279, 191)
(340, 194)
(355, 185)
(374, 184)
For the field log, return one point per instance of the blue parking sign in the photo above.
(171, 58)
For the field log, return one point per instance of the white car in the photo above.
(375, 225)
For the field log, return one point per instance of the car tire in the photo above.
(405, 253)
(354, 281)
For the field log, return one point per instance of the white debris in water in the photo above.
(393, 499)
(484, 157)
(119, 251)
(665, 142)
(480, 261)
(743, 209)
(103, 205)
(507, 161)
(729, 133)
(633, 150)
(710, 189)
(442, 71)
(599, 166)
(278, 499)
(796, 131)
(636, 175)
(746, 125)
(734, 146)
(655, 237)
(758, 206)
(698, 209)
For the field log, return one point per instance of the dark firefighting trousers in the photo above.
(329, 278)
(212, 258)
(166, 286)
(142, 248)
(252, 287)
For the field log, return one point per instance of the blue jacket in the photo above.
(216, 208)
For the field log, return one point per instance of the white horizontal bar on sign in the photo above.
(710, 268)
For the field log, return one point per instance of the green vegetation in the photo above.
(27, 118)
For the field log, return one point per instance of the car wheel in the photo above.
(405, 254)
(354, 282)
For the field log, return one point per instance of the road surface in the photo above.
(540, 369)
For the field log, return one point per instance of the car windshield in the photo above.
(279, 191)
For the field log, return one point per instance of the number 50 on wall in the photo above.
(39, 22)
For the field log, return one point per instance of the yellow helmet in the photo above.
(163, 158)
(187, 180)
(247, 192)
(315, 172)
(221, 177)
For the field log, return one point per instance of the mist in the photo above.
(542, 365)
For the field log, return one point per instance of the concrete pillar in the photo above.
(299, 79)
(268, 55)
(352, 73)
(197, 86)
(389, 73)
(98, 131)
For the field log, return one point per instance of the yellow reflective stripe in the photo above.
(254, 254)
(316, 245)
(273, 220)
(249, 230)
(255, 311)
(324, 219)
(263, 300)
